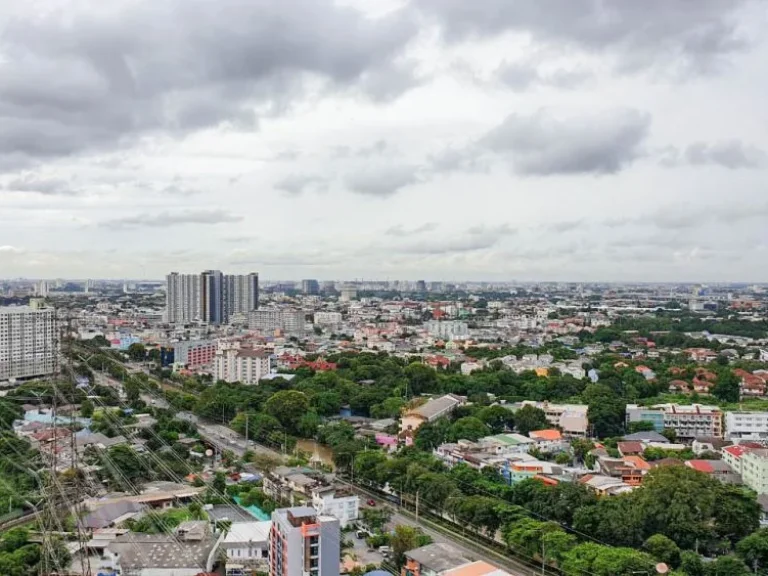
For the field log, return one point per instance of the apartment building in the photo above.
(328, 318)
(688, 421)
(339, 503)
(194, 353)
(27, 341)
(210, 297)
(268, 321)
(450, 330)
(746, 425)
(303, 543)
(245, 365)
(754, 470)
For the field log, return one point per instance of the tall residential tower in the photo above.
(210, 297)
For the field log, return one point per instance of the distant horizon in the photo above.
(268, 282)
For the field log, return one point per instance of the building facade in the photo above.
(310, 287)
(194, 353)
(245, 365)
(754, 470)
(268, 321)
(746, 425)
(688, 421)
(303, 543)
(27, 342)
(450, 330)
(210, 297)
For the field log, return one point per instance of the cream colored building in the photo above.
(754, 470)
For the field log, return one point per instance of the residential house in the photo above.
(433, 560)
(246, 546)
(716, 469)
(549, 440)
(708, 444)
(605, 485)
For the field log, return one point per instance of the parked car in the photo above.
(371, 502)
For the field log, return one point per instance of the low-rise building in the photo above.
(304, 543)
(339, 503)
(192, 549)
(688, 421)
(570, 418)
(716, 469)
(754, 469)
(246, 546)
(430, 411)
(746, 425)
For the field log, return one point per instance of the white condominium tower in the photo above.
(27, 341)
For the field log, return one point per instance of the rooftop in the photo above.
(437, 557)
(143, 551)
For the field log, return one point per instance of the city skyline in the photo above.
(552, 141)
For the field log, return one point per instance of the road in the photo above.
(224, 438)
(469, 548)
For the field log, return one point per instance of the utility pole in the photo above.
(246, 431)
(417, 506)
(543, 556)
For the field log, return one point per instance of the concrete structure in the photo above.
(340, 504)
(328, 318)
(754, 470)
(246, 546)
(194, 353)
(244, 365)
(570, 418)
(688, 421)
(192, 549)
(746, 425)
(268, 321)
(210, 297)
(433, 560)
(431, 410)
(27, 341)
(310, 287)
(450, 330)
(303, 543)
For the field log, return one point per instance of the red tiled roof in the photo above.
(701, 466)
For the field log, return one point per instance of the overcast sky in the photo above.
(437, 139)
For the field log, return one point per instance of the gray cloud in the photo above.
(692, 36)
(400, 230)
(732, 154)
(565, 225)
(297, 184)
(524, 76)
(467, 159)
(382, 181)
(44, 186)
(164, 219)
(87, 79)
(541, 145)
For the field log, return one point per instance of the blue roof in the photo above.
(378, 573)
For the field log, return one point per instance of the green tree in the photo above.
(663, 549)
(754, 548)
(137, 352)
(431, 434)
(728, 566)
(497, 418)
(288, 406)
(468, 428)
(376, 518)
(260, 426)
(529, 418)
(606, 416)
(726, 387)
(327, 403)
(406, 538)
(308, 425)
(640, 426)
(86, 408)
(219, 484)
(421, 379)
(691, 563)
